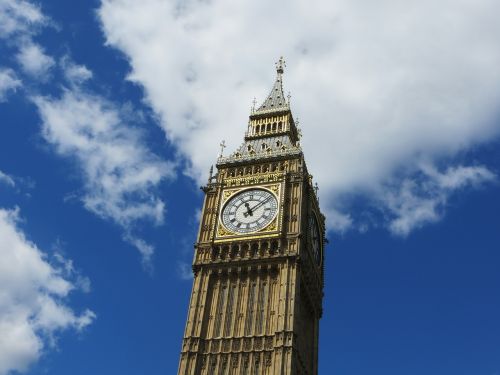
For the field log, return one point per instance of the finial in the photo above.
(316, 188)
(222, 147)
(280, 65)
(254, 102)
(210, 174)
(288, 97)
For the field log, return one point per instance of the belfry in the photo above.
(258, 264)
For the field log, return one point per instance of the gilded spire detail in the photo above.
(276, 100)
(280, 65)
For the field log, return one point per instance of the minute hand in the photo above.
(260, 203)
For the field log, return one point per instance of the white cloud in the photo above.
(146, 250)
(33, 293)
(418, 201)
(375, 84)
(34, 61)
(120, 173)
(184, 271)
(19, 21)
(19, 17)
(8, 82)
(6, 179)
(338, 220)
(74, 73)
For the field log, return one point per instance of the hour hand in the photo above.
(249, 211)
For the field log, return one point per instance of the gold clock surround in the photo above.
(223, 234)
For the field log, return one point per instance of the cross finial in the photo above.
(280, 65)
(222, 147)
(254, 102)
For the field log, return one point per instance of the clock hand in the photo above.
(249, 211)
(261, 203)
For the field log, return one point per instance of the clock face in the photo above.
(314, 234)
(249, 211)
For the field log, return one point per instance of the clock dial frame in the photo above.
(315, 238)
(249, 211)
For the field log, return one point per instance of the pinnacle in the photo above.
(276, 100)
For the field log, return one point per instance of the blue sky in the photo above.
(111, 113)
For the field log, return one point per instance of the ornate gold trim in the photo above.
(273, 226)
(255, 179)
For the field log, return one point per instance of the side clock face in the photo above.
(249, 211)
(315, 236)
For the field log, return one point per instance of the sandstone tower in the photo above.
(258, 265)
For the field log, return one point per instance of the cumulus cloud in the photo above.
(377, 86)
(119, 172)
(8, 82)
(34, 61)
(33, 298)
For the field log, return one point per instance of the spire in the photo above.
(276, 100)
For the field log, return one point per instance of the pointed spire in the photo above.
(280, 65)
(276, 100)
(211, 174)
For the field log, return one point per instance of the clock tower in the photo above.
(258, 263)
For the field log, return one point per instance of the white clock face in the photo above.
(314, 234)
(249, 211)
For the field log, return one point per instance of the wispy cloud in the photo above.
(6, 179)
(184, 270)
(377, 86)
(146, 250)
(20, 21)
(75, 74)
(8, 82)
(33, 298)
(19, 17)
(34, 61)
(419, 200)
(119, 172)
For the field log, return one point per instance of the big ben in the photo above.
(258, 265)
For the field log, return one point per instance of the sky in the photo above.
(111, 114)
